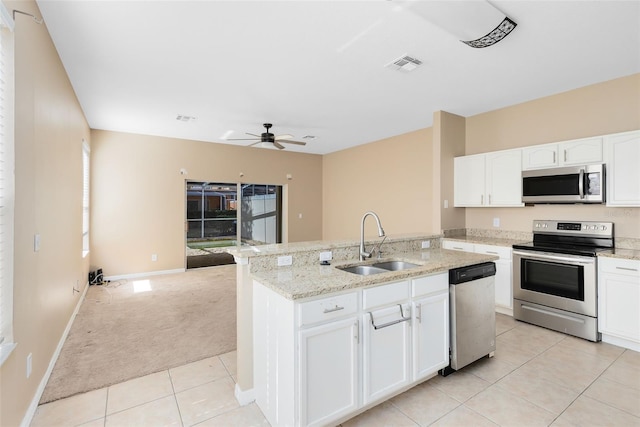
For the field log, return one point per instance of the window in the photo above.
(85, 197)
(7, 187)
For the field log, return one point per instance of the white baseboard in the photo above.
(244, 397)
(31, 411)
(621, 342)
(504, 310)
(148, 273)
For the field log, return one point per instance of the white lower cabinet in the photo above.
(619, 301)
(328, 371)
(320, 360)
(385, 351)
(430, 347)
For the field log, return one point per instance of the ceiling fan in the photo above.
(268, 138)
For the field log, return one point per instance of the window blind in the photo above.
(7, 188)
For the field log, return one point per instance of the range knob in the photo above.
(603, 228)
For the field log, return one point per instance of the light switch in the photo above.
(36, 243)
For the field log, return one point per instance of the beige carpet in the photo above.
(120, 334)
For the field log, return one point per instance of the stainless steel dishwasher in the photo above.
(472, 316)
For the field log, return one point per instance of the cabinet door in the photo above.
(622, 155)
(430, 335)
(540, 156)
(468, 181)
(385, 352)
(504, 276)
(581, 151)
(328, 371)
(619, 306)
(504, 178)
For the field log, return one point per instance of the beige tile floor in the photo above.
(537, 377)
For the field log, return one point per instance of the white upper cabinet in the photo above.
(540, 156)
(568, 153)
(580, 151)
(491, 179)
(622, 156)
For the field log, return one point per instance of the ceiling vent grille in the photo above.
(183, 118)
(404, 63)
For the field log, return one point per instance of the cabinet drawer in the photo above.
(627, 267)
(501, 251)
(430, 284)
(457, 246)
(385, 294)
(327, 308)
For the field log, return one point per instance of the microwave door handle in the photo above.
(581, 184)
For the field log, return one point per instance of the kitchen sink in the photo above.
(363, 270)
(377, 268)
(395, 265)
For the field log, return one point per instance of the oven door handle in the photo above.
(581, 184)
(547, 256)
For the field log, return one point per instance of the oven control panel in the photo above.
(581, 228)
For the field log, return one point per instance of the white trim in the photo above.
(621, 342)
(148, 273)
(5, 17)
(31, 411)
(244, 397)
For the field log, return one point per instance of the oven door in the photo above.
(565, 282)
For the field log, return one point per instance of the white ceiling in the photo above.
(317, 67)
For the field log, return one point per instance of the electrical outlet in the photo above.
(154, 257)
(446, 204)
(285, 260)
(496, 222)
(29, 364)
(326, 256)
(36, 242)
(426, 244)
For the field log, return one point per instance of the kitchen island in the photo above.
(327, 344)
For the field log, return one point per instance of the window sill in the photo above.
(5, 351)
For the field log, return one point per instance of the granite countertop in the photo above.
(633, 254)
(487, 240)
(302, 282)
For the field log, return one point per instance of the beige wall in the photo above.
(608, 107)
(449, 130)
(392, 177)
(138, 194)
(49, 130)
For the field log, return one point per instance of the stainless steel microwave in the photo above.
(576, 184)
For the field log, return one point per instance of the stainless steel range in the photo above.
(555, 277)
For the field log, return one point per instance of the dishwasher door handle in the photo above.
(403, 318)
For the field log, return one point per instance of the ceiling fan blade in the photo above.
(252, 134)
(255, 143)
(283, 136)
(242, 139)
(278, 145)
(295, 142)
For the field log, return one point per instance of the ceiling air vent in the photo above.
(404, 63)
(183, 118)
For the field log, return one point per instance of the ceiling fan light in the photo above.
(267, 145)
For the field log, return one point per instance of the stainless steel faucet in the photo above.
(364, 254)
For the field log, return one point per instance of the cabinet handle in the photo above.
(457, 248)
(419, 312)
(331, 310)
(489, 198)
(626, 268)
(565, 155)
(554, 157)
(492, 252)
(393, 322)
(482, 199)
(356, 325)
